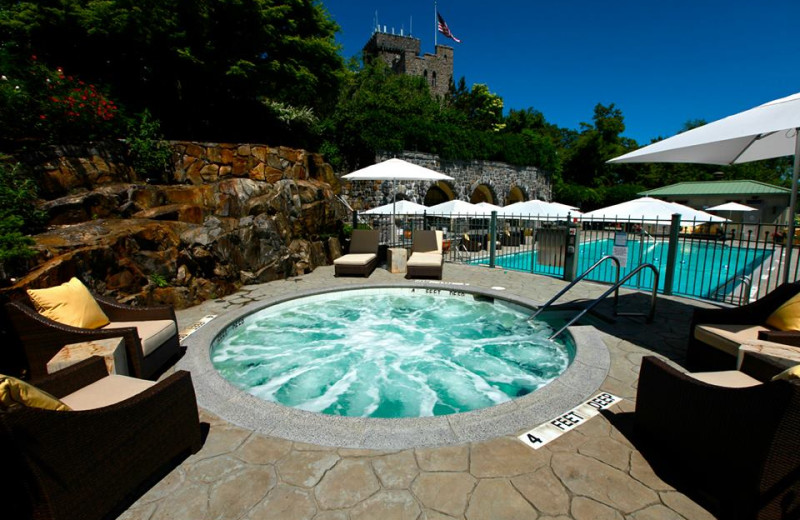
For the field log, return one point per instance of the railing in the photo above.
(648, 317)
(710, 263)
(583, 275)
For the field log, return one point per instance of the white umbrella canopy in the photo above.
(458, 208)
(731, 206)
(401, 207)
(764, 132)
(488, 207)
(396, 170)
(648, 209)
(539, 208)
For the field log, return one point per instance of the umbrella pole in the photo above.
(394, 218)
(792, 206)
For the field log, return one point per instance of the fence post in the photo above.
(492, 239)
(571, 245)
(672, 253)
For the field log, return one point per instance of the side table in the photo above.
(396, 259)
(110, 349)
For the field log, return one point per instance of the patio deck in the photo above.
(591, 472)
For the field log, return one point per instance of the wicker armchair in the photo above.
(41, 338)
(702, 356)
(736, 449)
(94, 463)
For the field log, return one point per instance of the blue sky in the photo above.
(661, 63)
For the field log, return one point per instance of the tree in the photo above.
(483, 110)
(379, 110)
(205, 68)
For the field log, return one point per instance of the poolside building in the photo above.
(770, 201)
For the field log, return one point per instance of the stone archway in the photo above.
(438, 192)
(482, 193)
(515, 194)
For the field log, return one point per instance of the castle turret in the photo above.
(402, 54)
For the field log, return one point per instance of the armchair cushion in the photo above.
(787, 316)
(109, 390)
(726, 378)
(789, 374)
(153, 333)
(70, 303)
(15, 393)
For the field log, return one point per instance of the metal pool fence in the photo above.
(732, 262)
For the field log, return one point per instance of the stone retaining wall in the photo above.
(497, 178)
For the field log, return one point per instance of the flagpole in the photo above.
(435, 25)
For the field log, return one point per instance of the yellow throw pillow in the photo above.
(70, 303)
(789, 374)
(787, 316)
(15, 393)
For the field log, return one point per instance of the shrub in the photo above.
(40, 103)
(150, 155)
(18, 218)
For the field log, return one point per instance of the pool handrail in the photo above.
(648, 317)
(581, 277)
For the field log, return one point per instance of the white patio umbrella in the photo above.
(540, 208)
(457, 208)
(730, 207)
(648, 209)
(764, 132)
(400, 207)
(396, 170)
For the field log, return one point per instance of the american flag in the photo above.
(444, 29)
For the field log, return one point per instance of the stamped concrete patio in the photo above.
(592, 472)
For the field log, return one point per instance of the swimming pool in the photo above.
(391, 353)
(703, 269)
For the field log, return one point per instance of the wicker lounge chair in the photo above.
(150, 334)
(734, 446)
(716, 334)
(362, 257)
(94, 461)
(426, 259)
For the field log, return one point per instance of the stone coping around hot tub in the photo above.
(579, 382)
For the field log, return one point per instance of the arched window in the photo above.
(433, 79)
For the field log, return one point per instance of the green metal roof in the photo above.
(718, 188)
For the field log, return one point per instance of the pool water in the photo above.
(702, 269)
(390, 352)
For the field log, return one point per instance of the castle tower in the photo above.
(401, 54)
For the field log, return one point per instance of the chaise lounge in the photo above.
(426, 259)
(362, 257)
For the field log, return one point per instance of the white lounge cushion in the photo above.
(355, 259)
(110, 390)
(727, 378)
(152, 333)
(424, 260)
(728, 337)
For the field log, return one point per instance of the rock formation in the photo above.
(233, 215)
